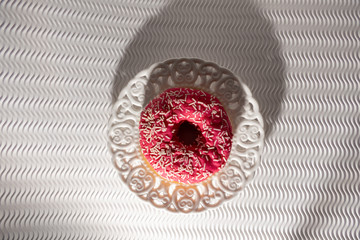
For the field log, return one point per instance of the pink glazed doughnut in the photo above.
(185, 135)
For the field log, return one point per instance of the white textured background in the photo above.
(63, 63)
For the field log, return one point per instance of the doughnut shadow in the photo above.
(198, 74)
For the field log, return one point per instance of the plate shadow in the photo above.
(233, 34)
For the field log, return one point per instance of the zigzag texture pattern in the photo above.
(62, 65)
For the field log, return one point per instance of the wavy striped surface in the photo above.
(63, 63)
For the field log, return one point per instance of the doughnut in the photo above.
(185, 135)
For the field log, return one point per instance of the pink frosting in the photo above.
(177, 153)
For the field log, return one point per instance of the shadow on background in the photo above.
(233, 34)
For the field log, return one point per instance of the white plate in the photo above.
(243, 111)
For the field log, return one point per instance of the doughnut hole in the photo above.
(187, 133)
